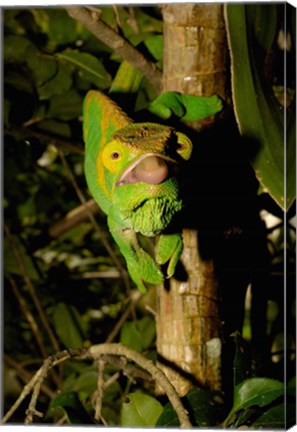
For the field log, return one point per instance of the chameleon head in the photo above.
(143, 160)
(144, 152)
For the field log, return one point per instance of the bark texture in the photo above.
(188, 319)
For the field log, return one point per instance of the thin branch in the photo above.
(129, 370)
(74, 218)
(133, 301)
(26, 391)
(91, 20)
(29, 317)
(59, 142)
(25, 376)
(31, 289)
(108, 274)
(48, 364)
(95, 353)
(100, 389)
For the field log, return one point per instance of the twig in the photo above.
(49, 138)
(92, 21)
(26, 391)
(31, 288)
(43, 371)
(31, 411)
(100, 389)
(29, 317)
(129, 370)
(25, 375)
(117, 16)
(132, 20)
(108, 274)
(74, 218)
(133, 301)
(96, 351)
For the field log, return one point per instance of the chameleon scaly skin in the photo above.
(131, 172)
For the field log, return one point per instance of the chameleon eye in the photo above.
(115, 155)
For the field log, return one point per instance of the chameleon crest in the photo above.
(131, 171)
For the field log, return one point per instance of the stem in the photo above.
(96, 352)
(29, 317)
(25, 375)
(31, 288)
(59, 142)
(74, 218)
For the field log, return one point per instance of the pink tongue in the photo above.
(151, 170)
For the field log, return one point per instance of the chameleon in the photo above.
(131, 171)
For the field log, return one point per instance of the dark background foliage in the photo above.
(67, 288)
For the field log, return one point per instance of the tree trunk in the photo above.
(188, 317)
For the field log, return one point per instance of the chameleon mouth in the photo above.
(150, 168)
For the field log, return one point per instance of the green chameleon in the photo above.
(131, 172)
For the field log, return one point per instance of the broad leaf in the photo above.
(242, 359)
(58, 84)
(141, 411)
(273, 418)
(154, 44)
(67, 322)
(90, 68)
(138, 335)
(66, 106)
(259, 114)
(11, 266)
(15, 48)
(255, 391)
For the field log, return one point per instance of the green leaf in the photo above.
(154, 44)
(67, 323)
(62, 29)
(90, 68)
(66, 106)
(291, 387)
(127, 79)
(59, 83)
(205, 407)
(264, 20)
(141, 411)
(273, 418)
(130, 336)
(138, 335)
(42, 66)
(73, 408)
(10, 263)
(242, 359)
(15, 48)
(55, 127)
(261, 120)
(86, 383)
(147, 329)
(255, 391)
